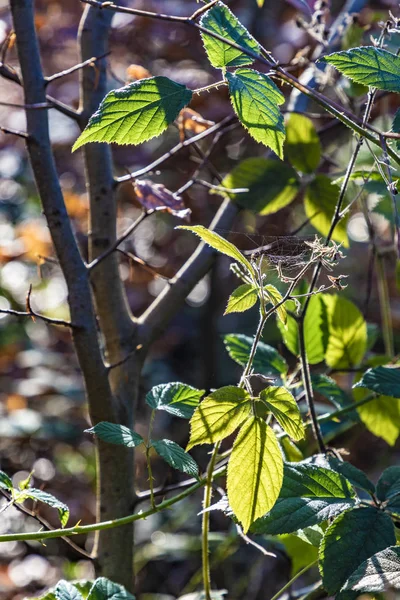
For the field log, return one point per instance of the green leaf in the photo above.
(220, 20)
(285, 410)
(299, 552)
(267, 360)
(347, 341)
(255, 472)
(380, 416)
(255, 100)
(302, 145)
(309, 495)
(352, 538)
(320, 201)
(396, 128)
(6, 482)
(379, 573)
(275, 297)
(315, 330)
(355, 476)
(49, 499)
(219, 243)
(136, 113)
(176, 457)
(242, 299)
(67, 591)
(311, 535)
(388, 485)
(369, 66)
(116, 434)
(219, 415)
(178, 399)
(382, 380)
(104, 589)
(329, 389)
(272, 184)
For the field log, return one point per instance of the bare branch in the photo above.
(21, 134)
(89, 62)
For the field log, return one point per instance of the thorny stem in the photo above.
(206, 522)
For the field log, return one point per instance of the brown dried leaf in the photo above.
(136, 72)
(157, 196)
(191, 121)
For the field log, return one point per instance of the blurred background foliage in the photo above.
(42, 407)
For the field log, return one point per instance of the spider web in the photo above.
(287, 251)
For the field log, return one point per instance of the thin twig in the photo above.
(7, 131)
(34, 315)
(85, 63)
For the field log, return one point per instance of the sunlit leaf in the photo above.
(309, 495)
(6, 482)
(275, 297)
(242, 299)
(136, 113)
(302, 145)
(178, 399)
(176, 456)
(67, 591)
(255, 100)
(220, 20)
(284, 408)
(46, 498)
(219, 243)
(112, 433)
(219, 415)
(320, 201)
(255, 472)
(272, 184)
(347, 341)
(369, 66)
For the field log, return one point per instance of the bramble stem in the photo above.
(206, 522)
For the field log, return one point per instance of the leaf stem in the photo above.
(293, 580)
(206, 522)
(384, 303)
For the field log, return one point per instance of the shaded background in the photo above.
(42, 407)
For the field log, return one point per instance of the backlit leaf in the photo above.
(136, 113)
(315, 330)
(320, 201)
(220, 20)
(380, 416)
(347, 340)
(284, 408)
(255, 100)
(46, 498)
(219, 243)
(369, 66)
(219, 415)
(302, 145)
(272, 184)
(275, 297)
(6, 482)
(242, 299)
(255, 472)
